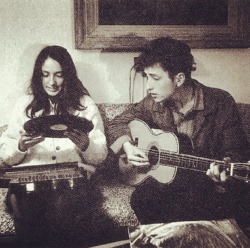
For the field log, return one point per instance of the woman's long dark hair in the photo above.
(72, 90)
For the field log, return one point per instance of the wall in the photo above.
(28, 25)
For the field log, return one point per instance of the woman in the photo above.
(54, 90)
(62, 215)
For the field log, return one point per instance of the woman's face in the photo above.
(52, 77)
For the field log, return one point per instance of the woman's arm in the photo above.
(10, 152)
(97, 150)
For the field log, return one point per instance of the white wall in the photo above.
(28, 25)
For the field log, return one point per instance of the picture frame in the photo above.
(90, 35)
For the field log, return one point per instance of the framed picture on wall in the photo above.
(126, 25)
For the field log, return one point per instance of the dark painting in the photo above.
(163, 12)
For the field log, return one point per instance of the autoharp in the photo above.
(46, 177)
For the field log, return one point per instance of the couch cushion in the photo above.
(109, 111)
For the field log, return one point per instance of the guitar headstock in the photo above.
(240, 171)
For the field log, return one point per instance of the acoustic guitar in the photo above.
(163, 150)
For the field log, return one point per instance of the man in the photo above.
(177, 103)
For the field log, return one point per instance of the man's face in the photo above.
(159, 84)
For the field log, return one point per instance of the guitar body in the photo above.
(152, 141)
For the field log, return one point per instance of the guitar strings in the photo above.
(175, 157)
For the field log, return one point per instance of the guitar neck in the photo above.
(187, 161)
(162, 148)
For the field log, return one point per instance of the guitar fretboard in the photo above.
(188, 161)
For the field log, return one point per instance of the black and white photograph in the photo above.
(124, 124)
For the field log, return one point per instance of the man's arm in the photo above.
(235, 143)
(118, 129)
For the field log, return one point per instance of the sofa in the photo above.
(115, 205)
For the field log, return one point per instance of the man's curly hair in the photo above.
(173, 55)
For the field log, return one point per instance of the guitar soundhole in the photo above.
(153, 155)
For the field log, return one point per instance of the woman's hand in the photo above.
(134, 155)
(28, 140)
(81, 139)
